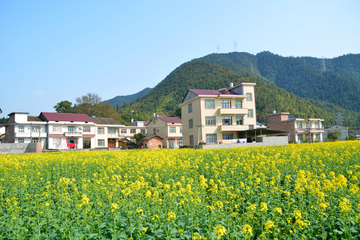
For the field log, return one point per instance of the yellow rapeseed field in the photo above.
(307, 191)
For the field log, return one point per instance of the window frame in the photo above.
(236, 103)
(212, 120)
(228, 134)
(112, 129)
(103, 142)
(225, 103)
(191, 138)
(172, 129)
(190, 108)
(224, 122)
(250, 113)
(239, 121)
(249, 97)
(211, 136)
(212, 102)
(133, 131)
(191, 123)
(122, 130)
(99, 130)
(21, 128)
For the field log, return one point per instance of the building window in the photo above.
(191, 139)
(154, 131)
(251, 127)
(123, 130)
(180, 142)
(300, 137)
(209, 103)
(101, 130)
(21, 129)
(210, 121)
(132, 130)
(316, 124)
(239, 120)
(101, 142)
(249, 97)
(190, 107)
(86, 129)
(317, 137)
(142, 131)
(210, 138)
(227, 136)
(172, 130)
(238, 103)
(190, 123)
(35, 129)
(35, 140)
(225, 103)
(180, 129)
(111, 130)
(226, 121)
(299, 125)
(20, 140)
(250, 113)
(56, 128)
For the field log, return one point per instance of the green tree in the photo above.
(138, 137)
(333, 135)
(64, 107)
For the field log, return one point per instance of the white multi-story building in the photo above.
(21, 128)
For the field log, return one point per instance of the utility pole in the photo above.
(339, 116)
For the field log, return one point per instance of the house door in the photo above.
(112, 143)
(172, 144)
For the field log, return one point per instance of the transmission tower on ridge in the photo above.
(339, 116)
(323, 64)
(218, 47)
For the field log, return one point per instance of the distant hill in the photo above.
(121, 100)
(168, 94)
(335, 81)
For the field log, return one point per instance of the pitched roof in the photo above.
(170, 119)
(34, 119)
(151, 136)
(65, 117)
(110, 121)
(209, 92)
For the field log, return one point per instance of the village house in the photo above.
(299, 129)
(212, 116)
(107, 132)
(21, 128)
(167, 130)
(127, 132)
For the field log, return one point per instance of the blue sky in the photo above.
(52, 51)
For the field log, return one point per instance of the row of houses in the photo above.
(207, 117)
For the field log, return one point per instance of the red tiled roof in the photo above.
(209, 92)
(170, 119)
(146, 123)
(65, 117)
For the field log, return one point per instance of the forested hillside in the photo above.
(168, 94)
(120, 101)
(334, 81)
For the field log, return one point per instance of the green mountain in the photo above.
(168, 94)
(335, 81)
(121, 100)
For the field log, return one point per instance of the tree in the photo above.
(64, 107)
(138, 137)
(333, 135)
(91, 105)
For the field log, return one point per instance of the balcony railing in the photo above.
(229, 128)
(309, 129)
(30, 134)
(72, 134)
(230, 111)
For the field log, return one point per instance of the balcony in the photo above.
(307, 130)
(233, 111)
(233, 128)
(30, 134)
(72, 134)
